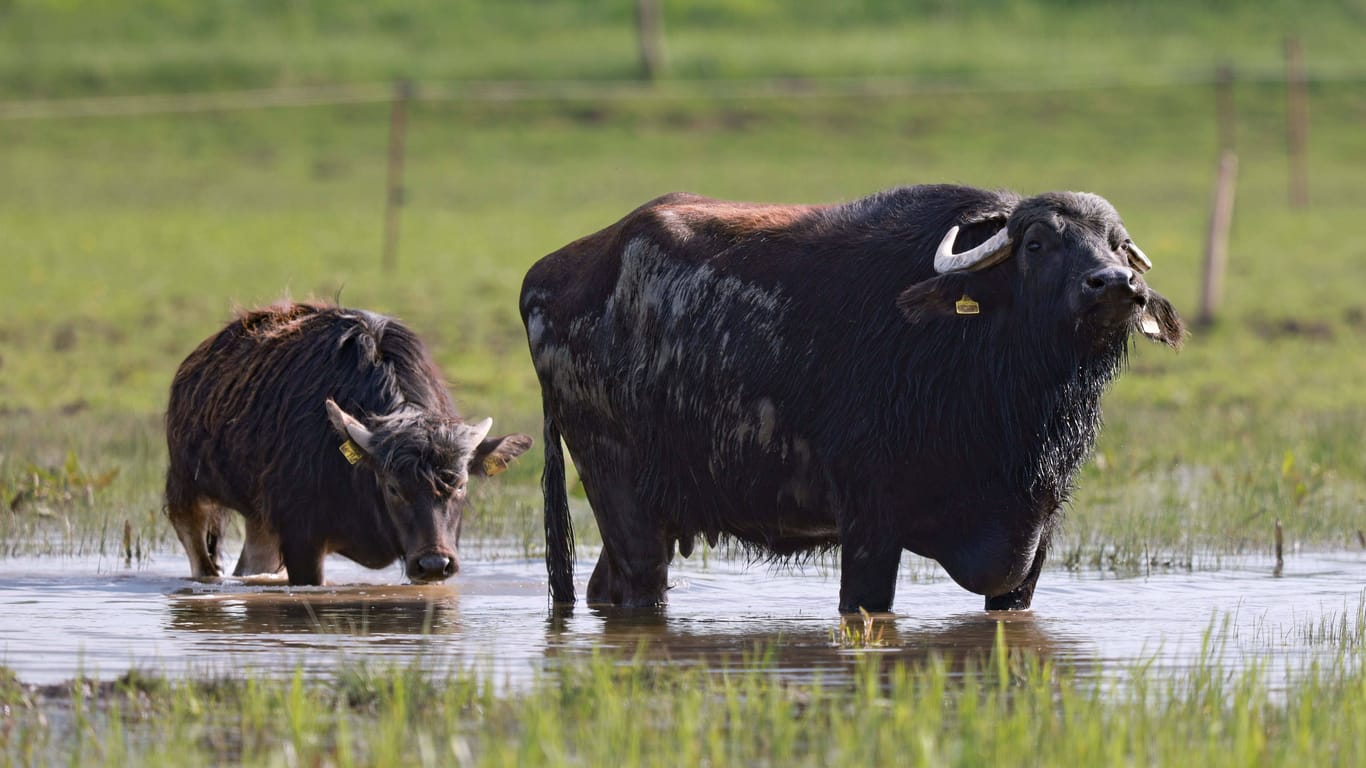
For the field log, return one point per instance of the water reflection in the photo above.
(64, 617)
(401, 611)
(801, 650)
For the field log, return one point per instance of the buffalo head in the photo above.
(1063, 256)
(421, 464)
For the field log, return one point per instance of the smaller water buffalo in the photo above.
(329, 430)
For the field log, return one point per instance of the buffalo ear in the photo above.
(1160, 322)
(950, 294)
(493, 455)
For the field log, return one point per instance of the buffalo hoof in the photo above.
(1010, 601)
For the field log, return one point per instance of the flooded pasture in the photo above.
(63, 617)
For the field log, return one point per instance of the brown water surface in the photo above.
(63, 617)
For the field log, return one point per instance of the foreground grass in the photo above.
(1010, 708)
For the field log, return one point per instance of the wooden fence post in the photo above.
(1216, 244)
(395, 197)
(650, 31)
(1297, 122)
(1225, 107)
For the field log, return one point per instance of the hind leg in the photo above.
(1020, 598)
(633, 569)
(199, 526)
(261, 552)
(631, 574)
(868, 575)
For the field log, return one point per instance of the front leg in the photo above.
(868, 576)
(200, 529)
(1020, 598)
(261, 552)
(633, 568)
(303, 563)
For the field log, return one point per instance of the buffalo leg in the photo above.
(600, 583)
(633, 568)
(199, 526)
(868, 576)
(1020, 598)
(633, 576)
(261, 552)
(304, 563)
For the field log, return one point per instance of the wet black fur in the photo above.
(957, 437)
(247, 428)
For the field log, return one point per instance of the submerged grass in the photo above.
(1007, 708)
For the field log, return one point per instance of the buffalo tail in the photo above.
(559, 529)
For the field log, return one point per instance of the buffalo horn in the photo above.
(480, 430)
(1137, 257)
(357, 431)
(981, 257)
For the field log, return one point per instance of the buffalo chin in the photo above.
(1107, 325)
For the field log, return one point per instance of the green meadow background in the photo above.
(133, 227)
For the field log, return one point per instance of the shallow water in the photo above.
(63, 617)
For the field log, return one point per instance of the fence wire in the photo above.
(600, 90)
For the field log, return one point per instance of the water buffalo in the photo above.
(329, 430)
(800, 377)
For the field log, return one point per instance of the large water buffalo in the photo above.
(801, 377)
(329, 430)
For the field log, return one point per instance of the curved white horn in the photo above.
(354, 428)
(1137, 257)
(984, 255)
(480, 430)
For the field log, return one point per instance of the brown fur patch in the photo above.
(737, 220)
(277, 320)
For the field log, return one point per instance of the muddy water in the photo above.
(60, 618)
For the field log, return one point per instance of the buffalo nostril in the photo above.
(1112, 280)
(435, 565)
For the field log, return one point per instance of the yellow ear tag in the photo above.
(351, 451)
(966, 306)
(493, 464)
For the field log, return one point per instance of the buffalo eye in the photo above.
(1033, 246)
(451, 479)
(392, 488)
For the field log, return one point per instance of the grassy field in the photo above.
(128, 240)
(81, 47)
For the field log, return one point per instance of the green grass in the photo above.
(85, 47)
(1010, 707)
(128, 240)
